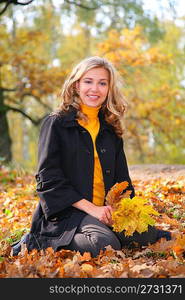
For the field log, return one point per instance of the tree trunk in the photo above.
(5, 140)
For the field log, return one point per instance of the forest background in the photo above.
(41, 42)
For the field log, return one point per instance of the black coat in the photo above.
(65, 175)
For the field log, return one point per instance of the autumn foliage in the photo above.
(36, 59)
(159, 260)
(151, 90)
(129, 215)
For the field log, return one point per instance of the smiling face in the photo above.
(93, 87)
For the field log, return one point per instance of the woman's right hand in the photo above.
(102, 213)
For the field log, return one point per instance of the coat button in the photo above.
(54, 219)
(103, 150)
(107, 172)
(37, 178)
(39, 186)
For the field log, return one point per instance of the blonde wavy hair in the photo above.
(115, 104)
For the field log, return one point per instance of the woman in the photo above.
(81, 157)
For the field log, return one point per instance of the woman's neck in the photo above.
(91, 112)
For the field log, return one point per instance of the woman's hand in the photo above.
(102, 213)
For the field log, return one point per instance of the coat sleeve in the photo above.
(121, 168)
(54, 189)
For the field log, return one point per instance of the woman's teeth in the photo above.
(93, 97)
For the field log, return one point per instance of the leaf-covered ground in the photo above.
(164, 259)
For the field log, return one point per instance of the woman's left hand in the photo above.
(106, 216)
(102, 213)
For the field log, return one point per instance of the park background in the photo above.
(39, 44)
(40, 41)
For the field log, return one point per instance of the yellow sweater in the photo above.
(93, 126)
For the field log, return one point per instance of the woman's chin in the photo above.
(92, 103)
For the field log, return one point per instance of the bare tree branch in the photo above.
(25, 95)
(8, 90)
(15, 2)
(5, 8)
(9, 99)
(81, 5)
(37, 98)
(20, 3)
(35, 122)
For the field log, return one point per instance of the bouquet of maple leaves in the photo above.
(129, 214)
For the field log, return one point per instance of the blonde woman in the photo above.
(81, 157)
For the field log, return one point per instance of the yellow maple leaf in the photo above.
(129, 215)
(113, 196)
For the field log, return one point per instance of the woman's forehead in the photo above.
(99, 72)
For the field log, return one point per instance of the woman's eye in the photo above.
(100, 83)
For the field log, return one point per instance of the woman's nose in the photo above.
(94, 87)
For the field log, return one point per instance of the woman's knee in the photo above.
(99, 242)
(102, 240)
(99, 234)
(94, 242)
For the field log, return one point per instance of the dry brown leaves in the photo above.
(160, 260)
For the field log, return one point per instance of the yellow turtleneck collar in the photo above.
(91, 112)
(93, 125)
